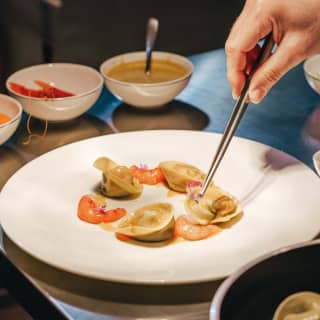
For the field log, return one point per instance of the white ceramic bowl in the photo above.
(12, 108)
(85, 82)
(146, 95)
(312, 72)
(256, 289)
(316, 161)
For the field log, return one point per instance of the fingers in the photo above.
(287, 56)
(237, 69)
(252, 57)
(236, 66)
(240, 42)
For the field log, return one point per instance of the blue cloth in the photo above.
(278, 121)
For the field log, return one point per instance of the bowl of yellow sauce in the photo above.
(10, 116)
(125, 77)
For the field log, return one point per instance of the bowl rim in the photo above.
(76, 96)
(316, 159)
(217, 301)
(17, 116)
(307, 71)
(158, 84)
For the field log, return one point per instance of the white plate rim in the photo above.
(139, 281)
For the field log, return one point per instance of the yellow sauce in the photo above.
(172, 193)
(134, 71)
(132, 241)
(108, 227)
(160, 184)
(230, 223)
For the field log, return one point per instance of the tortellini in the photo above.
(214, 207)
(299, 306)
(117, 181)
(179, 174)
(153, 222)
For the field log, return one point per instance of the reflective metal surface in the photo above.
(175, 115)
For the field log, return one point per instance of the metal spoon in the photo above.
(152, 31)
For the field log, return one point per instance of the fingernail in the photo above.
(256, 95)
(235, 96)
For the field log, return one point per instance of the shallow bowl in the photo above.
(84, 82)
(146, 95)
(13, 109)
(256, 290)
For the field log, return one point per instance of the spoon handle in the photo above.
(152, 31)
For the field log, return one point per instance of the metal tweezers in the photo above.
(237, 113)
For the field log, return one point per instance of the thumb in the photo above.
(286, 56)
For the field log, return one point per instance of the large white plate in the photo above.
(38, 208)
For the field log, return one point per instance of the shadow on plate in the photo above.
(274, 160)
(174, 115)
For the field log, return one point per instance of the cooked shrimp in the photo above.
(189, 230)
(91, 208)
(148, 176)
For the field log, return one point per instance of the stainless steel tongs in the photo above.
(237, 113)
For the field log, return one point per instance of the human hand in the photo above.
(295, 26)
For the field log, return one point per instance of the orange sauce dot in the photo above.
(123, 237)
(4, 118)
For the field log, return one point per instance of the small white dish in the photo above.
(146, 95)
(316, 161)
(312, 72)
(84, 82)
(13, 109)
